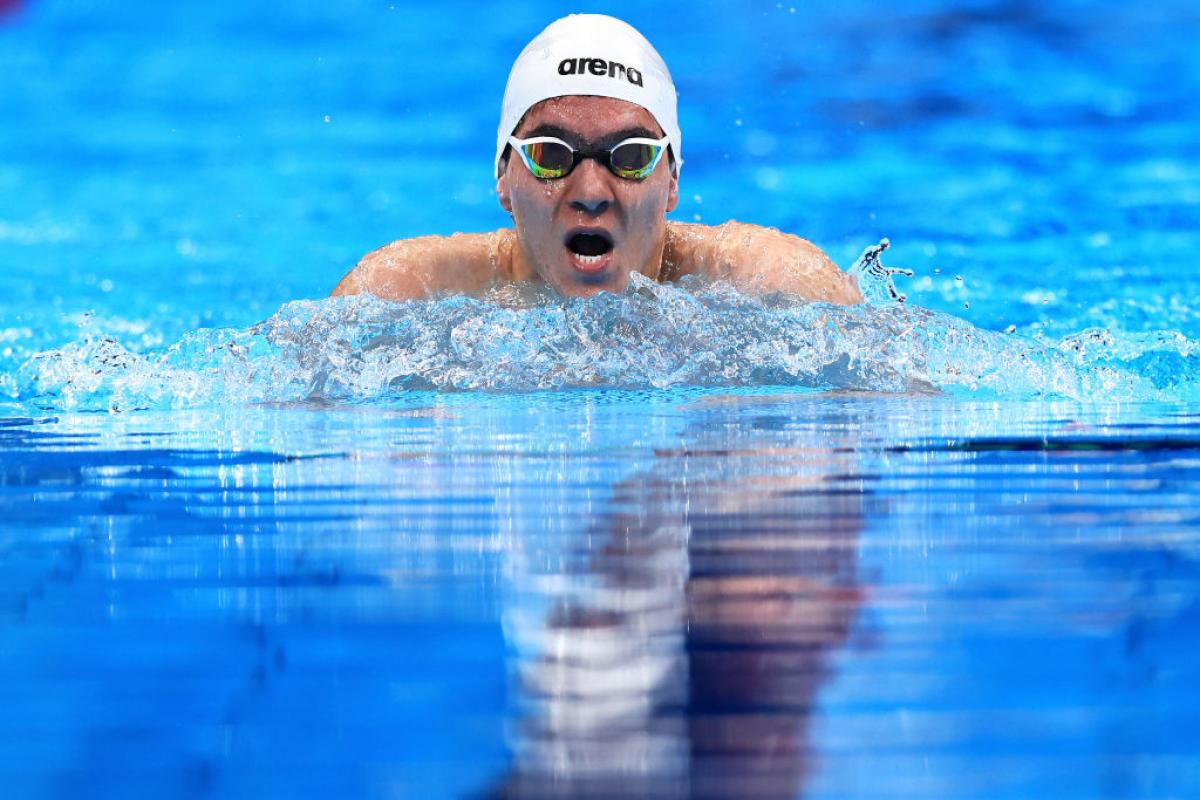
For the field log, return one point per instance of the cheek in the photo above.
(533, 206)
(533, 213)
(647, 210)
(650, 196)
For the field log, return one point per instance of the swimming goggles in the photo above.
(631, 159)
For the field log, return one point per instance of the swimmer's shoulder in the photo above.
(693, 248)
(406, 269)
(756, 259)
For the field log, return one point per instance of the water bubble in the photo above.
(958, 278)
(328, 118)
(767, 179)
(875, 280)
(691, 333)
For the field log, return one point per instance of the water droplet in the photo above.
(767, 179)
(328, 118)
(937, 270)
(1011, 329)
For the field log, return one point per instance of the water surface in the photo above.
(671, 543)
(600, 593)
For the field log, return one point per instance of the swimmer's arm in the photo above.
(757, 260)
(413, 268)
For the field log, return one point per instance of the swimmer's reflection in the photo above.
(680, 654)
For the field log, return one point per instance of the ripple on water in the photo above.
(694, 333)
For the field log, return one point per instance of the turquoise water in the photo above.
(677, 542)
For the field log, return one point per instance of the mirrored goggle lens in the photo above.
(548, 159)
(634, 160)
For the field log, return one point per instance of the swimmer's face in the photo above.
(550, 215)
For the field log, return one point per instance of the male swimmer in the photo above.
(589, 113)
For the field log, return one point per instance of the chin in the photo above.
(580, 284)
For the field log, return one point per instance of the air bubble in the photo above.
(526, 337)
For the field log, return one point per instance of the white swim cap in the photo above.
(590, 54)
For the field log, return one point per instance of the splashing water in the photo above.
(695, 333)
(874, 279)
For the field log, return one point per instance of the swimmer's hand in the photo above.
(757, 260)
(875, 279)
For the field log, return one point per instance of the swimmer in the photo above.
(588, 156)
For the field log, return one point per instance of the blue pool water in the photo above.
(673, 543)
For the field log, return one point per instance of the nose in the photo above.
(590, 190)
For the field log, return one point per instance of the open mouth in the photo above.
(589, 248)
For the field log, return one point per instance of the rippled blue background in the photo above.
(315, 599)
(171, 165)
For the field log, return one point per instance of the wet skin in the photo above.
(547, 212)
(629, 215)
